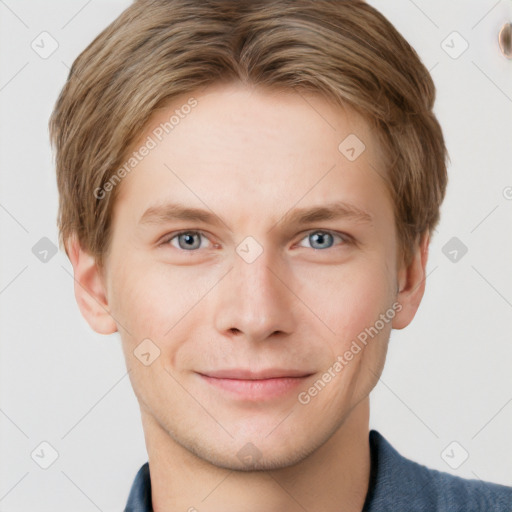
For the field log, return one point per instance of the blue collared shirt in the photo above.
(396, 484)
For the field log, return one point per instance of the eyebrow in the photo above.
(159, 214)
(331, 211)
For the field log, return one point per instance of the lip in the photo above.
(254, 385)
(248, 374)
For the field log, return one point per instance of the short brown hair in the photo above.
(157, 50)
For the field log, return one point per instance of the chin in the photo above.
(249, 453)
(250, 458)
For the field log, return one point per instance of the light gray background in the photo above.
(448, 375)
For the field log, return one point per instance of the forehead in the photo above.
(258, 149)
(257, 118)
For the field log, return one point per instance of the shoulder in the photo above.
(398, 483)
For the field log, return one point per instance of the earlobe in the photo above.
(90, 290)
(411, 284)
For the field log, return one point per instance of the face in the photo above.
(253, 255)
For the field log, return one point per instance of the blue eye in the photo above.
(187, 240)
(192, 240)
(322, 239)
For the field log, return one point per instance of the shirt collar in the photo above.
(139, 499)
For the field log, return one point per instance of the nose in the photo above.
(255, 300)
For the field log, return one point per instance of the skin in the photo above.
(251, 156)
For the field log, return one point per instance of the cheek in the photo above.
(150, 300)
(348, 299)
(152, 306)
(357, 306)
(139, 303)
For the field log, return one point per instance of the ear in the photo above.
(90, 292)
(411, 284)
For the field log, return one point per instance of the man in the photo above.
(247, 195)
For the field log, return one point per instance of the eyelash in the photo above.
(346, 239)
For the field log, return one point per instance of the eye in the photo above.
(192, 240)
(186, 240)
(323, 239)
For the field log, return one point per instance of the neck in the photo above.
(334, 477)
